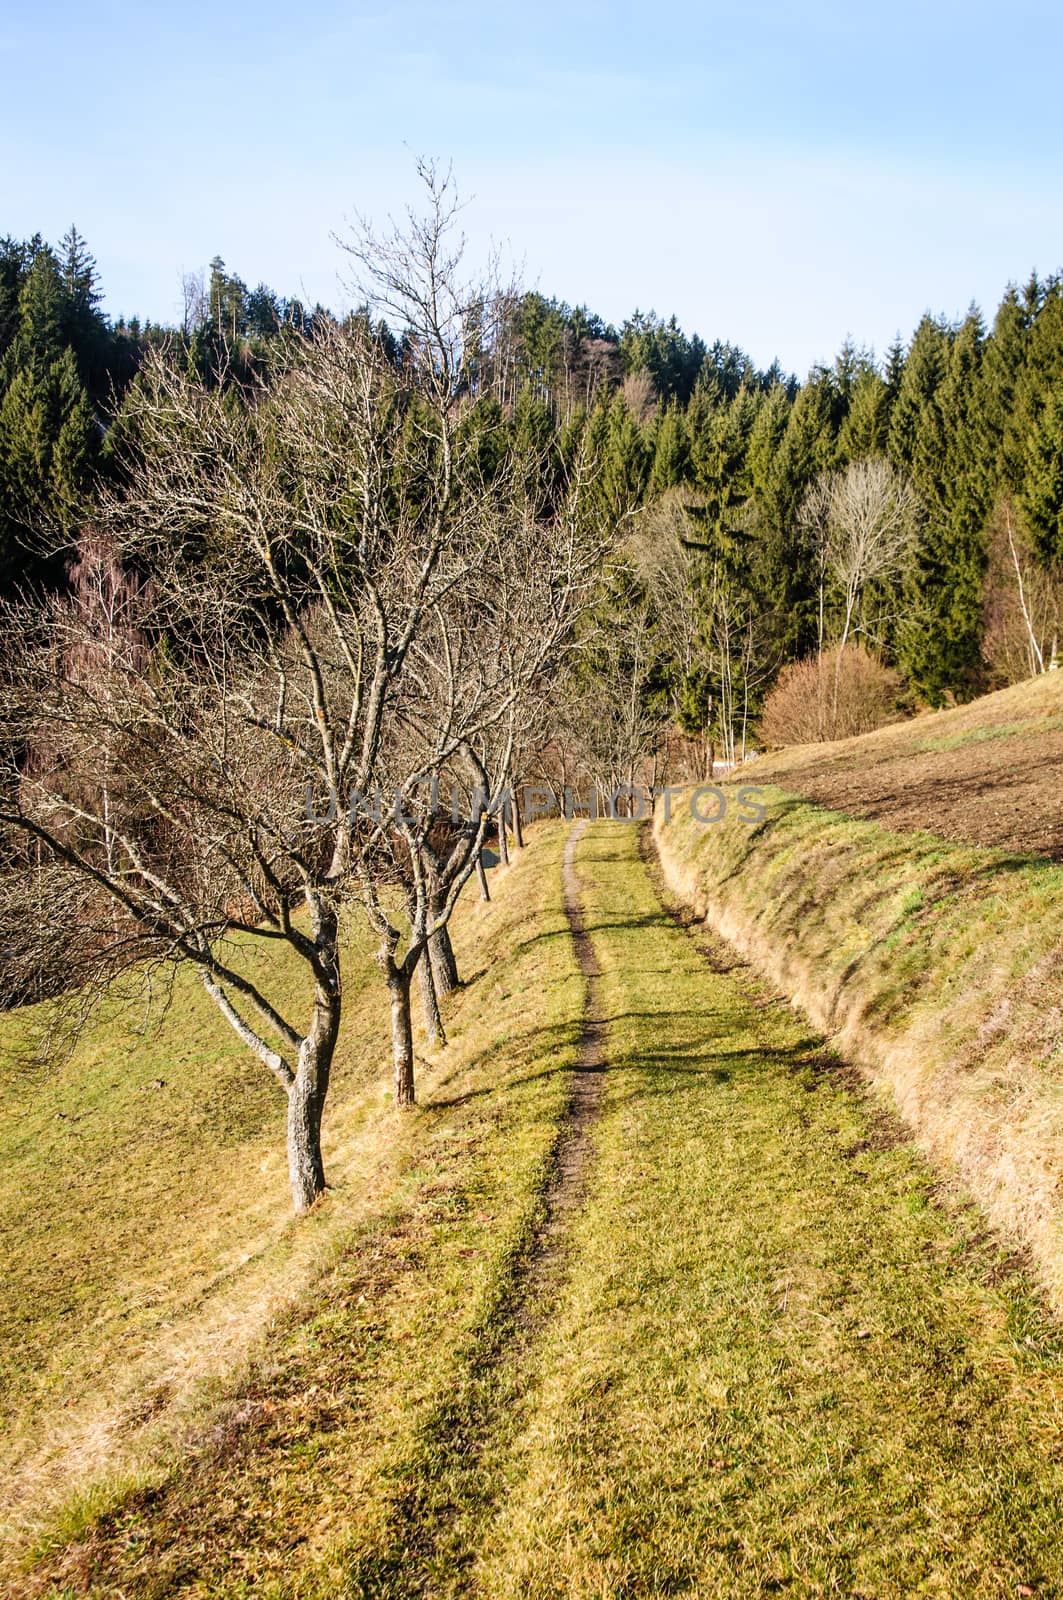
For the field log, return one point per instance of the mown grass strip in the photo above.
(451, 1482)
(779, 1366)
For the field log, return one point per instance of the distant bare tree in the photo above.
(667, 567)
(195, 306)
(866, 519)
(1035, 597)
(640, 396)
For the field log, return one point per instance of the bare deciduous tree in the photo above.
(1026, 625)
(866, 520)
(337, 608)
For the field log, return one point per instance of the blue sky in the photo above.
(781, 175)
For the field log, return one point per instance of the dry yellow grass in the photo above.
(148, 1247)
(935, 965)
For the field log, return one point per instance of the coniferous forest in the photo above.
(717, 477)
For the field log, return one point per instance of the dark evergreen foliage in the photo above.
(969, 415)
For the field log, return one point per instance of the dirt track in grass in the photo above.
(575, 1149)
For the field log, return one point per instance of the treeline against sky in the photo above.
(970, 415)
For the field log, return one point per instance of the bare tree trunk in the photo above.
(440, 950)
(481, 877)
(1037, 660)
(503, 838)
(518, 829)
(306, 1102)
(401, 1034)
(850, 604)
(444, 962)
(433, 1022)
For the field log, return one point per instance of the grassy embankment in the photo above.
(934, 958)
(152, 1272)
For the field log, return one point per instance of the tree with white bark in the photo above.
(866, 521)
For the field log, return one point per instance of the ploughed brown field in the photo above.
(988, 773)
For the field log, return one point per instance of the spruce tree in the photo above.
(915, 421)
(38, 340)
(13, 266)
(48, 448)
(1005, 359)
(765, 440)
(671, 452)
(82, 327)
(939, 432)
(866, 427)
(75, 449)
(1041, 495)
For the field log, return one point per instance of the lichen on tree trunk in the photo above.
(401, 1036)
(444, 962)
(306, 1102)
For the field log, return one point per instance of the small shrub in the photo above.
(833, 696)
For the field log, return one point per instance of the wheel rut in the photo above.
(574, 1150)
(431, 1532)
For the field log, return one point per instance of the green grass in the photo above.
(771, 1358)
(937, 966)
(999, 730)
(778, 1368)
(426, 1209)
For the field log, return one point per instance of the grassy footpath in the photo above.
(405, 1270)
(778, 1367)
(767, 1361)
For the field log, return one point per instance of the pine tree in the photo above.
(623, 455)
(671, 454)
(939, 431)
(765, 440)
(720, 468)
(894, 373)
(48, 449)
(915, 423)
(38, 339)
(75, 448)
(81, 325)
(866, 427)
(1005, 360)
(784, 560)
(1041, 495)
(14, 259)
